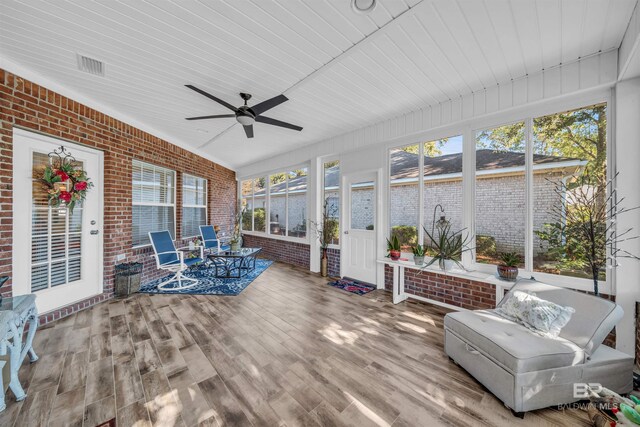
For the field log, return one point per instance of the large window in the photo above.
(259, 204)
(404, 195)
(436, 166)
(253, 204)
(194, 205)
(278, 198)
(500, 193)
(533, 183)
(285, 193)
(569, 185)
(443, 186)
(153, 201)
(331, 198)
(297, 203)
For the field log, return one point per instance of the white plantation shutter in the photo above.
(153, 201)
(194, 205)
(56, 237)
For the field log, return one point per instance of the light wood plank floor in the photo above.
(287, 351)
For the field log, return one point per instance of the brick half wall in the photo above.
(280, 250)
(469, 294)
(333, 265)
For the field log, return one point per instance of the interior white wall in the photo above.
(627, 157)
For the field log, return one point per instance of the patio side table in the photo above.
(234, 264)
(15, 313)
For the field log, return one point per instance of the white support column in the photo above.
(528, 194)
(468, 190)
(315, 204)
(626, 136)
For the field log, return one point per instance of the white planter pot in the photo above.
(446, 264)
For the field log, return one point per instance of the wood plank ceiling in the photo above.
(341, 70)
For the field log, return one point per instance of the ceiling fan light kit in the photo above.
(246, 115)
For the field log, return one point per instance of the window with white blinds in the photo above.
(194, 205)
(153, 201)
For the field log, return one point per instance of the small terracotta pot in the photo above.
(394, 255)
(508, 273)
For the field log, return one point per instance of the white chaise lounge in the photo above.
(528, 371)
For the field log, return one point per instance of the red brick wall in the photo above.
(280, 250)
(35, 108)
(334, 262)
(451, 290)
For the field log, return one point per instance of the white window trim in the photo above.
(175, 231)
(267, 176)
(205, 206)
(322, 198)
(468, 131)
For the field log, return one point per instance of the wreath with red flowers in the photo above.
(67, 185)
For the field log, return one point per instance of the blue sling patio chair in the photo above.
(210, 239)
(171, 259)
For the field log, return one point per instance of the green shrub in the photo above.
(246, 220)
(258, 219)
(486, 245)
(407, 235)
(332, 230)
(369, 227)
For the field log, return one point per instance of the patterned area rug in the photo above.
(352, 286)
(208, 284)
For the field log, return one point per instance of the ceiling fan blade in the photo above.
(274, 122)
(248, 130)
(219, 116)
(269, 104)
(208, 95)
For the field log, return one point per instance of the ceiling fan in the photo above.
(246, 115)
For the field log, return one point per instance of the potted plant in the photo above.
(393, 247)
(508, 267)
(448, 246)
(326, 232)
(194, 243)
(418, 254)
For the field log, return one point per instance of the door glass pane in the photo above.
(362, 205)
(56, 235)
(404, 194)
(500, 192)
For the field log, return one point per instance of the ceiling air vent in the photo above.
(90, 65)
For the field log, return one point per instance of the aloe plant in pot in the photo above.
(418, 254)
(448, 246)
(393, 247)
(508, 267)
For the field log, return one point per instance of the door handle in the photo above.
(346, 232)
(94, 232)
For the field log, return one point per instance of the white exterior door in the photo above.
(56, 254)
(359, 235)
